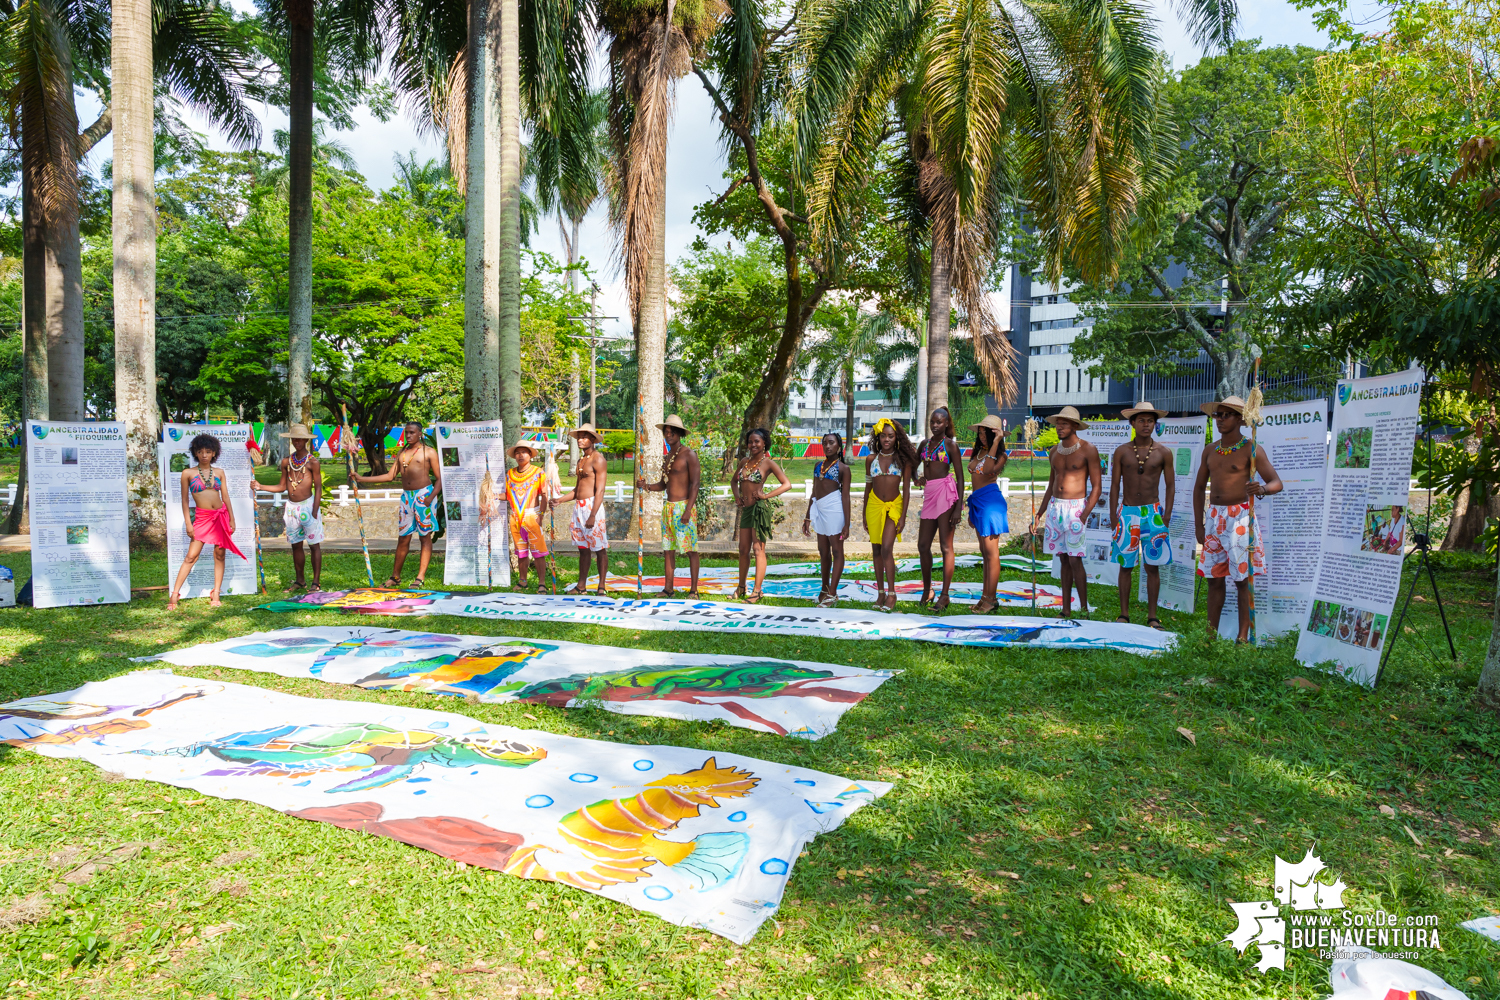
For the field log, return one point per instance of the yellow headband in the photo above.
(881, 424)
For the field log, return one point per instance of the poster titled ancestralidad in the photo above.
(1365, 534)
(478, 540)
(80, 538)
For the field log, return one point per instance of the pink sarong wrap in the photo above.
(211, 527)
(938, 497)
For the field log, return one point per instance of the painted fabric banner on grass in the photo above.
(785, 697)
(699, 839)
(721, 616)
(1010, 593)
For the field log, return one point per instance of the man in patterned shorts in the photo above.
(679, 522)
(1140, 466)
(587, 527)
(1074, 486)
(1226, 528)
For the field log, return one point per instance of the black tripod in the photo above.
(1423, 547)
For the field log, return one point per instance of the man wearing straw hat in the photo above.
(1139, 525)
(679, 522)
(1074, 486)
(302, 481)
(1225, 529)
(526, 493)
(587, 527)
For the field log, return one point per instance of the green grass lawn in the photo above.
(1050, 833)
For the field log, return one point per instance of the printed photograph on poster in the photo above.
(80, 540)
(1385, 529)
(1353, 449)
(1185, 437)
(477, 549)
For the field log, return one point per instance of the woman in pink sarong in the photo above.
(211, 520)
(942, 483)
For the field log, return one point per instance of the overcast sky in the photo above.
(695, 161)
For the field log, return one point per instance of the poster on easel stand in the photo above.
(1364, 540)
(1294, 436)
(80, 532)
(478, 550)
(234, 458)
(1098, 561)
(1184, 437)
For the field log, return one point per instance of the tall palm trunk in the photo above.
(509, 83)
(849, 409)
(33, 326)
(919, 408)
(939, 325)
(65, 318)
(134, 230)
(651, 348)
(482, 213)
(299, 15)
(1489, 674)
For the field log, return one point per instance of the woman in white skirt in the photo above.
(828, 516)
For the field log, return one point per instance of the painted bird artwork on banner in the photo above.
(786, 697)
(700, 840)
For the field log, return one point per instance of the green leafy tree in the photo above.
(1222, 234)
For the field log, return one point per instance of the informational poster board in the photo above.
(1185, 437)
(80, 535)
(1294, 436)
(477, 555)
(1098, 564)
(234, 458)
(1359, 568)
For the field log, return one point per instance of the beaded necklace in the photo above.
(1232, 448)
(1140, 463)
(296, 472)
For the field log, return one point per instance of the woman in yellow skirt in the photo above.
(888, 472)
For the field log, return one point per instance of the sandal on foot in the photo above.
(985, 606)
(753, 598)
(1155, 623)
(213, 599)
(941, 604)
(292, 588)
(419, 582)
(172, 602)
(926, 598)
(392, 583)
(1124, 620)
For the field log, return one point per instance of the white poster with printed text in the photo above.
(478, 549)
(173, 457)
(1294, 436)
(80, 533)
(1359, 567)
(1185, 438)
(1098, 562)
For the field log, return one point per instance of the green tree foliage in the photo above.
(1219, 232)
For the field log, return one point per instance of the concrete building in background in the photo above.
(811, 414)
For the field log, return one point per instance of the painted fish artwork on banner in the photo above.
(659, 615)
(697, 838)
(785, 697)
(1009, 593)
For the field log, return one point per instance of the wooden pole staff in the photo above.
(640, 501)
(1252, 414)
(347, 443)
(260, 561)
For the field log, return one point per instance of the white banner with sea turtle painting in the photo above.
(1364, 538)
(697, 838)
(993, 631)
(478, 540)
(234, 458)
(75, 495)
(785, 697)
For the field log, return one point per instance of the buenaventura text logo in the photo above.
(1332, 936)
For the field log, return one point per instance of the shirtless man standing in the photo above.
(679, 526)
(1074, 486)
(587, 526)
(1140, 526)
(421, 491)
(302, 482)
(1224, 531)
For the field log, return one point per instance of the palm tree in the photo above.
(134, 229)
(1050, 108)
(652, 45)
(851, 337)
(300, 64)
